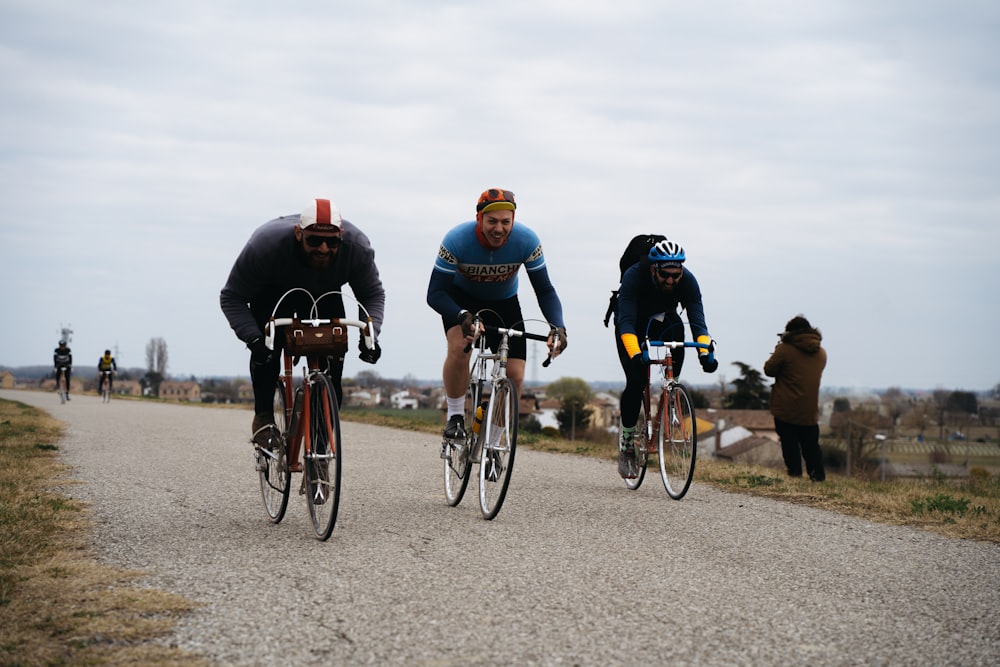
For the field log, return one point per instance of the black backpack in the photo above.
(636, 251)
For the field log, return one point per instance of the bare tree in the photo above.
(156, 363)
(156, 356)
(895, 404)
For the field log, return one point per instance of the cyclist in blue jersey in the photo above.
(651, 291)
(476, 269)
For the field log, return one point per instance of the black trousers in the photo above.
(636, 375)
(69, 376)
(801, 442)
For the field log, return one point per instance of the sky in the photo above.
(836, 158)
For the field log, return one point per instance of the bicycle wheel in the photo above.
(458, 461)
(322, 462)
(62, 389)
(641, 443)
(272, 464)
(499, 443)
(678, 442)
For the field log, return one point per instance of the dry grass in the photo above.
(58, 606)
(967, 508)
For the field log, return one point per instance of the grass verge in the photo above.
(58, 606)
(967, 508)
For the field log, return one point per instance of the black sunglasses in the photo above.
(663, 273)
(315, 240)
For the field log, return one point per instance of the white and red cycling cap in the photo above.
(322, 213)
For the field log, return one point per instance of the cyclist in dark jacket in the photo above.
(650, 294)
(63, 358)
(797, 365)
(318, 251)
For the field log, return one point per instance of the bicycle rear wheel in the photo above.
(272, 463)
(322, 461)
(458, 460)
(640, 441)
(499, 443)
(678, 441)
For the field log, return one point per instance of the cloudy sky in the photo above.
(836, 158)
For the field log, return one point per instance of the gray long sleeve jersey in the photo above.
(272, 263)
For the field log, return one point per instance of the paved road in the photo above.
(574, 571)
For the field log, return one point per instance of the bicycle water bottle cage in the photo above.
(323, 340)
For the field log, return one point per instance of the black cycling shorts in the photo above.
(504, 313)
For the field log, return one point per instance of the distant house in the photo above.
(244, 393)
(128, 387)
(180, 391)
(403, 400)
(546, 412)
(6, 380)
(604, 411)
(744, 436)
(362, 398)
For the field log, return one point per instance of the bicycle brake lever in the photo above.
(269, 335)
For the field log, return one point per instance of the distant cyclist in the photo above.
(476, 268)
(106, 366)
(62, 358)
(650, 293)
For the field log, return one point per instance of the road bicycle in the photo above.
(672, 434)
(306, 434)
(491, 416)
(61, 385)
(105, 386)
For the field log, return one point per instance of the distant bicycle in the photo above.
(61, 385)
(104, 386)
(672, 434)
(491, 411)
(307, 418)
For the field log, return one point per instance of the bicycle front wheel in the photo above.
(272, 463)
(499, 443)
(678, 441)
(640, 441)
(458, 455)
(322, 461)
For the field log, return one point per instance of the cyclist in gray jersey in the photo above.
(319, 251)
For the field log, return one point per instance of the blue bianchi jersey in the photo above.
(489, 274)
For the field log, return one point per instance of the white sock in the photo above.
(456, 406)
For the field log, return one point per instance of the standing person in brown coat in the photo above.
(797, 365)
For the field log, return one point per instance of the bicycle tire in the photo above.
(321, 465)
(499, 444)
(273, 469)
(458, 462)
(677, 445)
(61, 388)
(640, 441)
